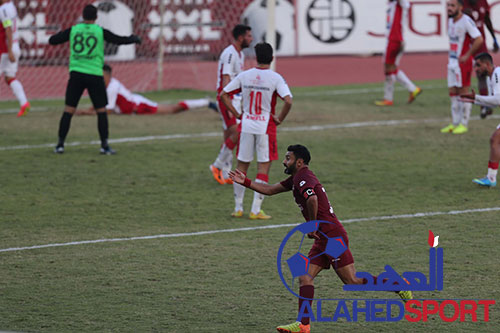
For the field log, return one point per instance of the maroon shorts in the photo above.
(323, 259)
(227, 117)
(393, 53)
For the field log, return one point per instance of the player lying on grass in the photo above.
(484, 66)
(313, 201)
(122, 101)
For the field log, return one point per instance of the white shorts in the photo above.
(253, 143)
(8, 68)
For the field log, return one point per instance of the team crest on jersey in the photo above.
(257, 80)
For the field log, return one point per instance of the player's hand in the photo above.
(136, 39)
(237, 176)
(277, 120)
(12, 57)
(468, 98)
(313, 235)
(463, 59)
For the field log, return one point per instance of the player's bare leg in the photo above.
(262, 177)
(306, 284)
(491, 178)
(18, 90)
(483, 90)
(239, 191)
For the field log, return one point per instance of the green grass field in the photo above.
(228, 282)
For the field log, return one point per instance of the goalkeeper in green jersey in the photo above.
(86, 42)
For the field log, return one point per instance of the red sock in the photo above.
(307, 292)
(230, 144)
(493, 165)
(263, 177)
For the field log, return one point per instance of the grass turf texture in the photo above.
(228, 282)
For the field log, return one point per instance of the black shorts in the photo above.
(94, 84)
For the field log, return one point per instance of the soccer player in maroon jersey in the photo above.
(313, 201)
(479, 11)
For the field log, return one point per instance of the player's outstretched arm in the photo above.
(267, 189)
(118, 40)
(60, 37)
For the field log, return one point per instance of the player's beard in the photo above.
(452, 15)
(290, 169)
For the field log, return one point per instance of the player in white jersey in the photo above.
(231, 63)
(465, 40)
(397, 14)
(9, 61)
(484, 66)
(259, 88)
(122, 101)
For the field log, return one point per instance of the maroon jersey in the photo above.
(304, 185)
(477, 12)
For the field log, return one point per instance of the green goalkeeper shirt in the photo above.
(86, 42)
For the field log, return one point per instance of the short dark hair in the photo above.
(107, 68)
(240, 30)
(89, 13)
(300, 151)
(264, 53)
(461, 2)
(484, 56)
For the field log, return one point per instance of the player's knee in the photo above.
(495, 138)
(306, 280)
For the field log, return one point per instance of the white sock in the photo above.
(239, 194)
(17, 89)
(405, 81)
(466, 107)
(257, 199)
(228, 165)
(224, 154)
(389, 87)
(456, 110)
(492, 175)
(196, 103)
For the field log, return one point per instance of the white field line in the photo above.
(334, 92)
(377, 123)
(272, 226)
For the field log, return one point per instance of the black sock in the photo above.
(102, 126)
(64, 125)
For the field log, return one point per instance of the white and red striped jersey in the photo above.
(121, 100)
(259, 89)
(397, 14)
(8, 16)
(231, 62)
(461, 34)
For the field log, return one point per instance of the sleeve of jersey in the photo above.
(287, 183)
(234, 86)
(472, 30)
(306, 187)
(60, 37)
(282, 89)
(488, 101)
(227, 64)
